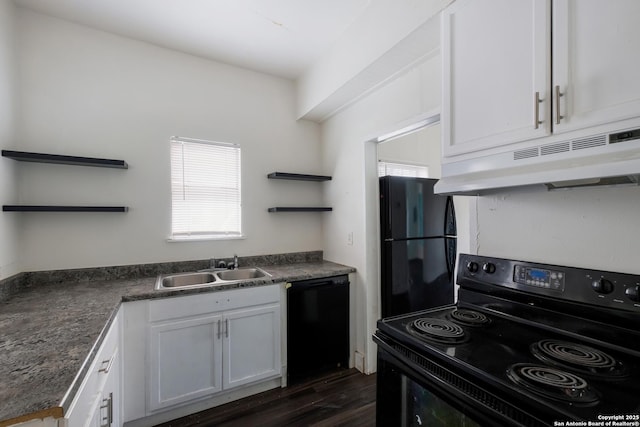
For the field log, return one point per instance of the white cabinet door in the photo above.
(110, 401)
(252, 345)
(94, 419)
(103, 372)
(595, 62)
(185, 360)
(495, 56)
(105, 411)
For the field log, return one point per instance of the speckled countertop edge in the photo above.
(50, 333)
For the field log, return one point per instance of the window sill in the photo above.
(204, 238)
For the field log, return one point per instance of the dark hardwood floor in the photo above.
(339, 398)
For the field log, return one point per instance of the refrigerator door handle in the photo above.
(450, 217)
(450, 220)
(449, 269)
(450, 257)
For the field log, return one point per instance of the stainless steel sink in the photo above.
(242, 274)
(209, 278)
(185, 279)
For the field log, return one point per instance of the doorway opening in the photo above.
(417, 234)
(423, 133)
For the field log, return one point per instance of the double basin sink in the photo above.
(210, 278)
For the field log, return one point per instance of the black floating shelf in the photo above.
(298, 176)
(299, 209)
(24, 156)
(48, 208)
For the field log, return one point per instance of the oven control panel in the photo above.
(539, 277)
(599, 288)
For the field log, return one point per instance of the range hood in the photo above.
(595, 160)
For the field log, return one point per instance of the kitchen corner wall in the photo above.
(9, 261)
(90, 93)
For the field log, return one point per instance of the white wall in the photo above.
(90, 93)
(350, 156)
(9, 223)
(583, 227)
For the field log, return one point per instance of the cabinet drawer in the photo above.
(94, 379)
(210, 302)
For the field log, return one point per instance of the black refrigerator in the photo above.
(418, 245)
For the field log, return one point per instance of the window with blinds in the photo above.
(205, 190)
(402, 169)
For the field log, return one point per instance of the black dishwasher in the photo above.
(317, 326)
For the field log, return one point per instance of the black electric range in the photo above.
(527, 344)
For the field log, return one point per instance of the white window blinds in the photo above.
(205, 189)
(402, 169)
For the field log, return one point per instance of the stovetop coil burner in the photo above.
(578, 357)
(439, 330)
(469, 317)
(553, 383)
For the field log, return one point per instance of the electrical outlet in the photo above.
(350, 238)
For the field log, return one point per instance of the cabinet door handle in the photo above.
(226, 333)
(536, 108)
(558, 115)
(108, 405)
(107, 368)
(219, 331)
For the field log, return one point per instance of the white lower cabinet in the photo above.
(97, 401)
(185, 360)
(109, 403)
(105, 411)
(204, 344)
(251, 346)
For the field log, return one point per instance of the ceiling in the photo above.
(278, 37)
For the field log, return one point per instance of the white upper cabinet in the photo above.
(496, 58)
(519, 70)
(595, 62)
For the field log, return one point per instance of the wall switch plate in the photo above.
(350, 238)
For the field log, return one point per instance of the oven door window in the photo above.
(423, 408)
(406, 400)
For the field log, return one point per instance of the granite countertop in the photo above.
(47, 330)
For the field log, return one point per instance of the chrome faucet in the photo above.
(216, 265)
(235, 262)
